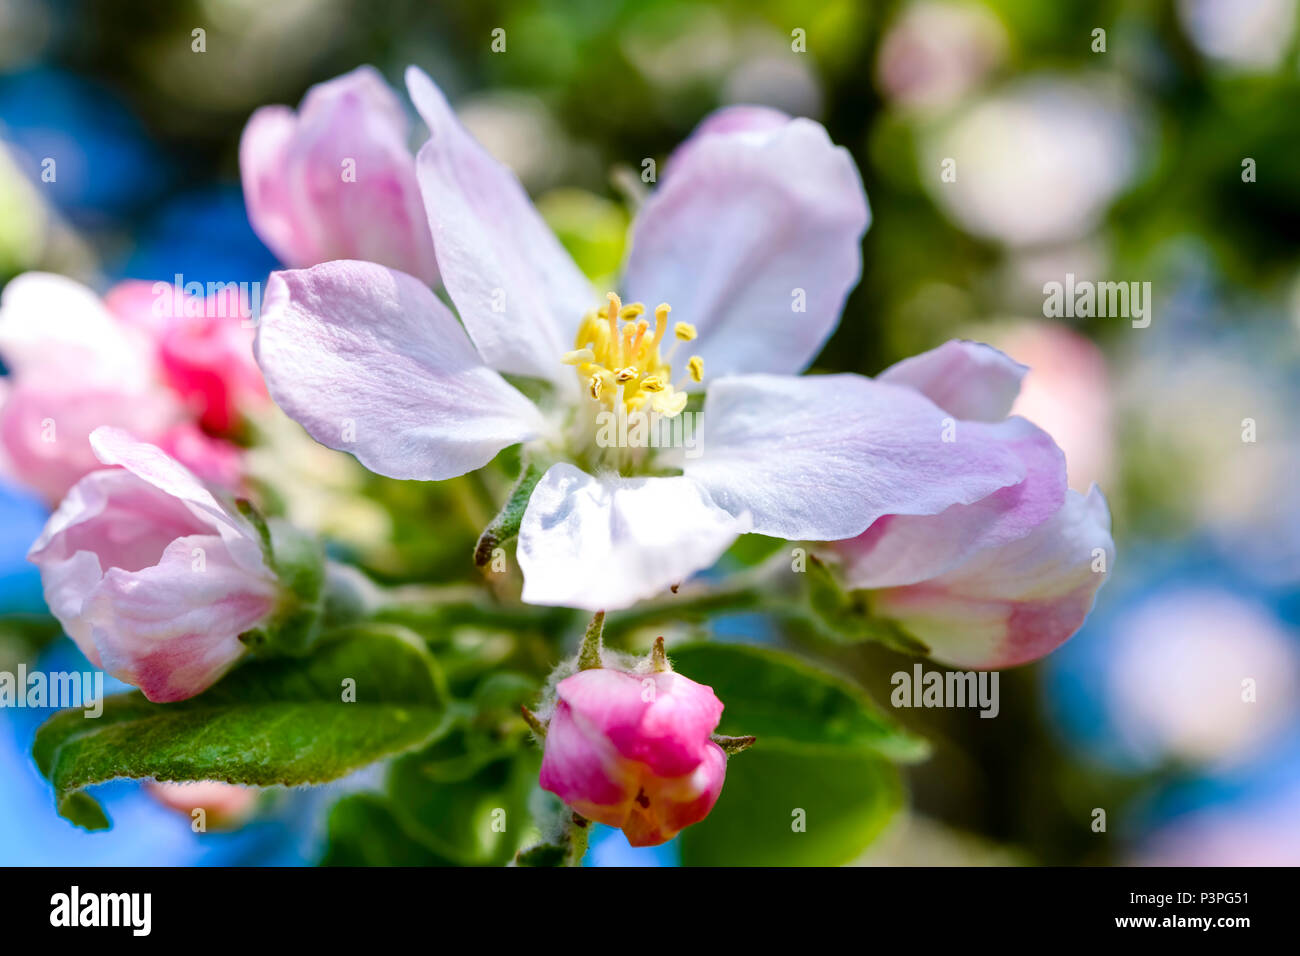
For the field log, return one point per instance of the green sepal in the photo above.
(846, 616)
(298, 561)
(506, 524)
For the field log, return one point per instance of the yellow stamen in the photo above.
(641, 327)
(612, 310)
(619, 361)
(661, 323)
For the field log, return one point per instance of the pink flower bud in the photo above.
(150, 574)
(336, 180)
(634, 751)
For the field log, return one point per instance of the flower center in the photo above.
(620, 363)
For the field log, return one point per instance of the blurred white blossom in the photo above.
(1252, 35)
(1036, 163)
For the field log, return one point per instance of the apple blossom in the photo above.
(336, 180)
(151, 576)
(999, 581)
(752, 241)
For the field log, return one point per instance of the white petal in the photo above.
(517, 290)
(753, 238)
(50, 321)
(604, 544)
(370, 362)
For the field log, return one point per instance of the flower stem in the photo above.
(578, 831)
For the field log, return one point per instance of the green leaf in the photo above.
(781, 699)
(481, 820)
(363, 831)
(544, 854)
(785, 807)
(278, 721)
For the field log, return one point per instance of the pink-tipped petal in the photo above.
(968, 380)
(661, 720)
(150, 575)
(583, 769)
(633, 750)
(1016, 603)
(906, 549)
(173, 629)
(157, 468)
(821, 457)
